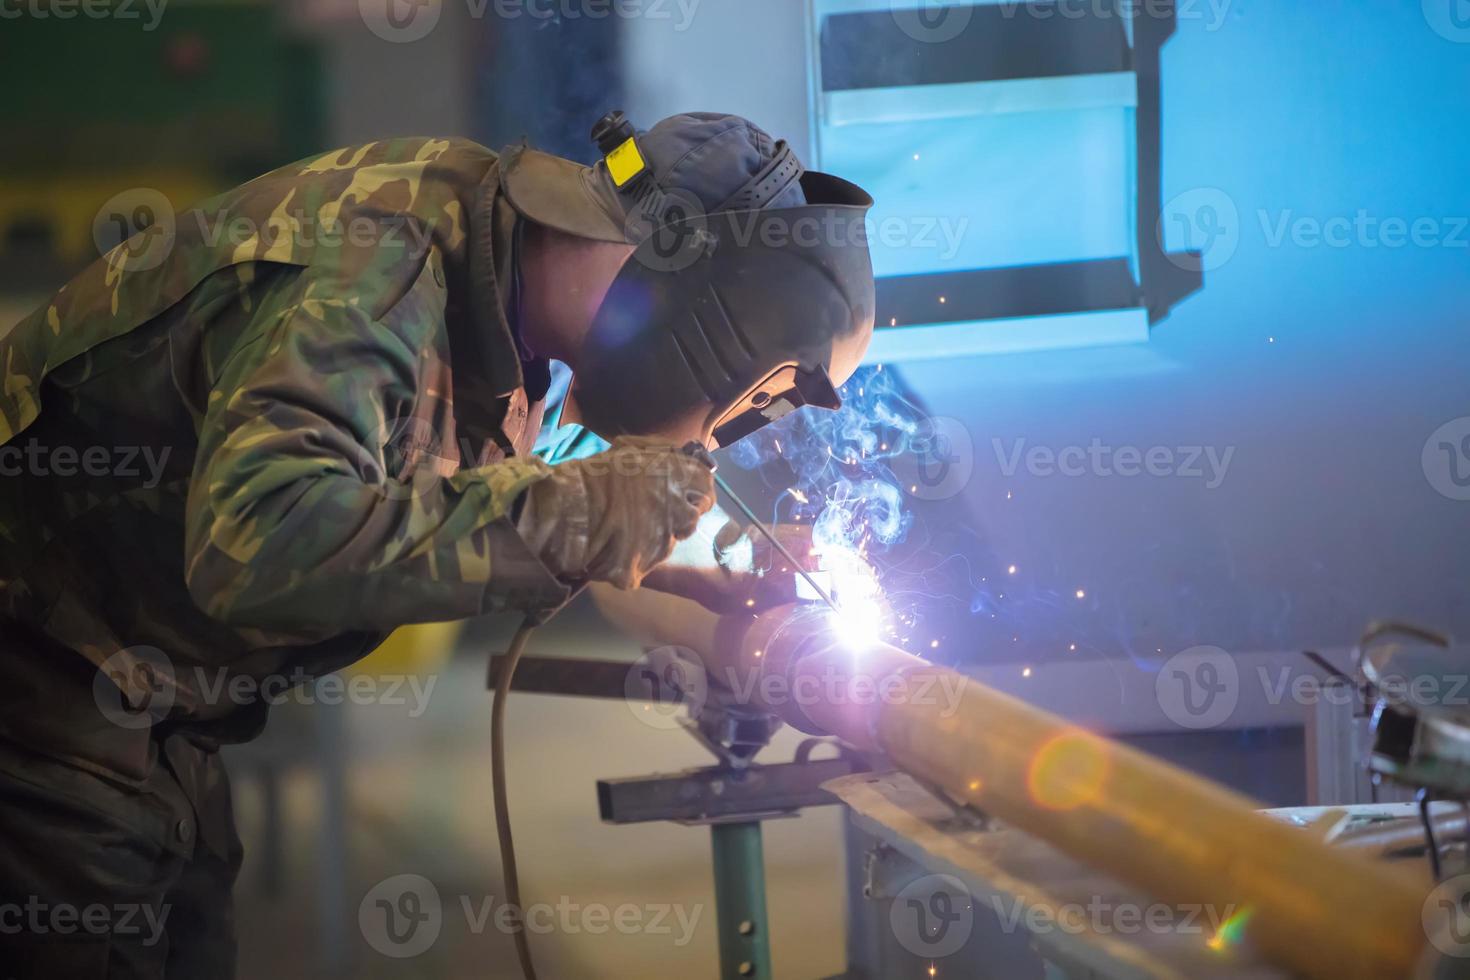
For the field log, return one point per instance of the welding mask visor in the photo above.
(720, 324)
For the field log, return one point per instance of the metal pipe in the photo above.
(1399, 836)
(1322, 912)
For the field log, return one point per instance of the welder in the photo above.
(340, 369)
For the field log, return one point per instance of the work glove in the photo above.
(729, 568)
(613, 517)
(745, 550)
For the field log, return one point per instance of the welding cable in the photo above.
(502, 807)
(1331, 669)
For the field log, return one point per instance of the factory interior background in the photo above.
(1261, 449)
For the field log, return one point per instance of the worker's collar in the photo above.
(495, 350)
(496, 355)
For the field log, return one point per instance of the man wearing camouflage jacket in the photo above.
(251, 442)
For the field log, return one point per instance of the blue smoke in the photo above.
(836, 474)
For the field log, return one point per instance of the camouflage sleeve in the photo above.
(302, 516)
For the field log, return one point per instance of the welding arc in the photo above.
(770, 535)
(502, 806)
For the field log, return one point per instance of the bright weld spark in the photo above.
(854, 586)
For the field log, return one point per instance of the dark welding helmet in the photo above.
(749, 295)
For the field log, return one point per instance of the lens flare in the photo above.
(1232, 930)
(1069, 771)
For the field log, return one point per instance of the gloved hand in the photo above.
(744, 550)
(613, 517)
(728, 568)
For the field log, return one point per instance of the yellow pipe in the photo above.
(1321, 912)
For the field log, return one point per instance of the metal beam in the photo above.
(567, 676)
(718, 793)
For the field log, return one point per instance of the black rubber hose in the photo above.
(502, 807)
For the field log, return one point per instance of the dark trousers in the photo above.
(105, 879)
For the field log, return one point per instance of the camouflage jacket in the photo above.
(252, 439)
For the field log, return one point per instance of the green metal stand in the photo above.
(732, 798)
(740, 900)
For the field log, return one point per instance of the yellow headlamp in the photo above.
(625, 163)
(614, 136)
